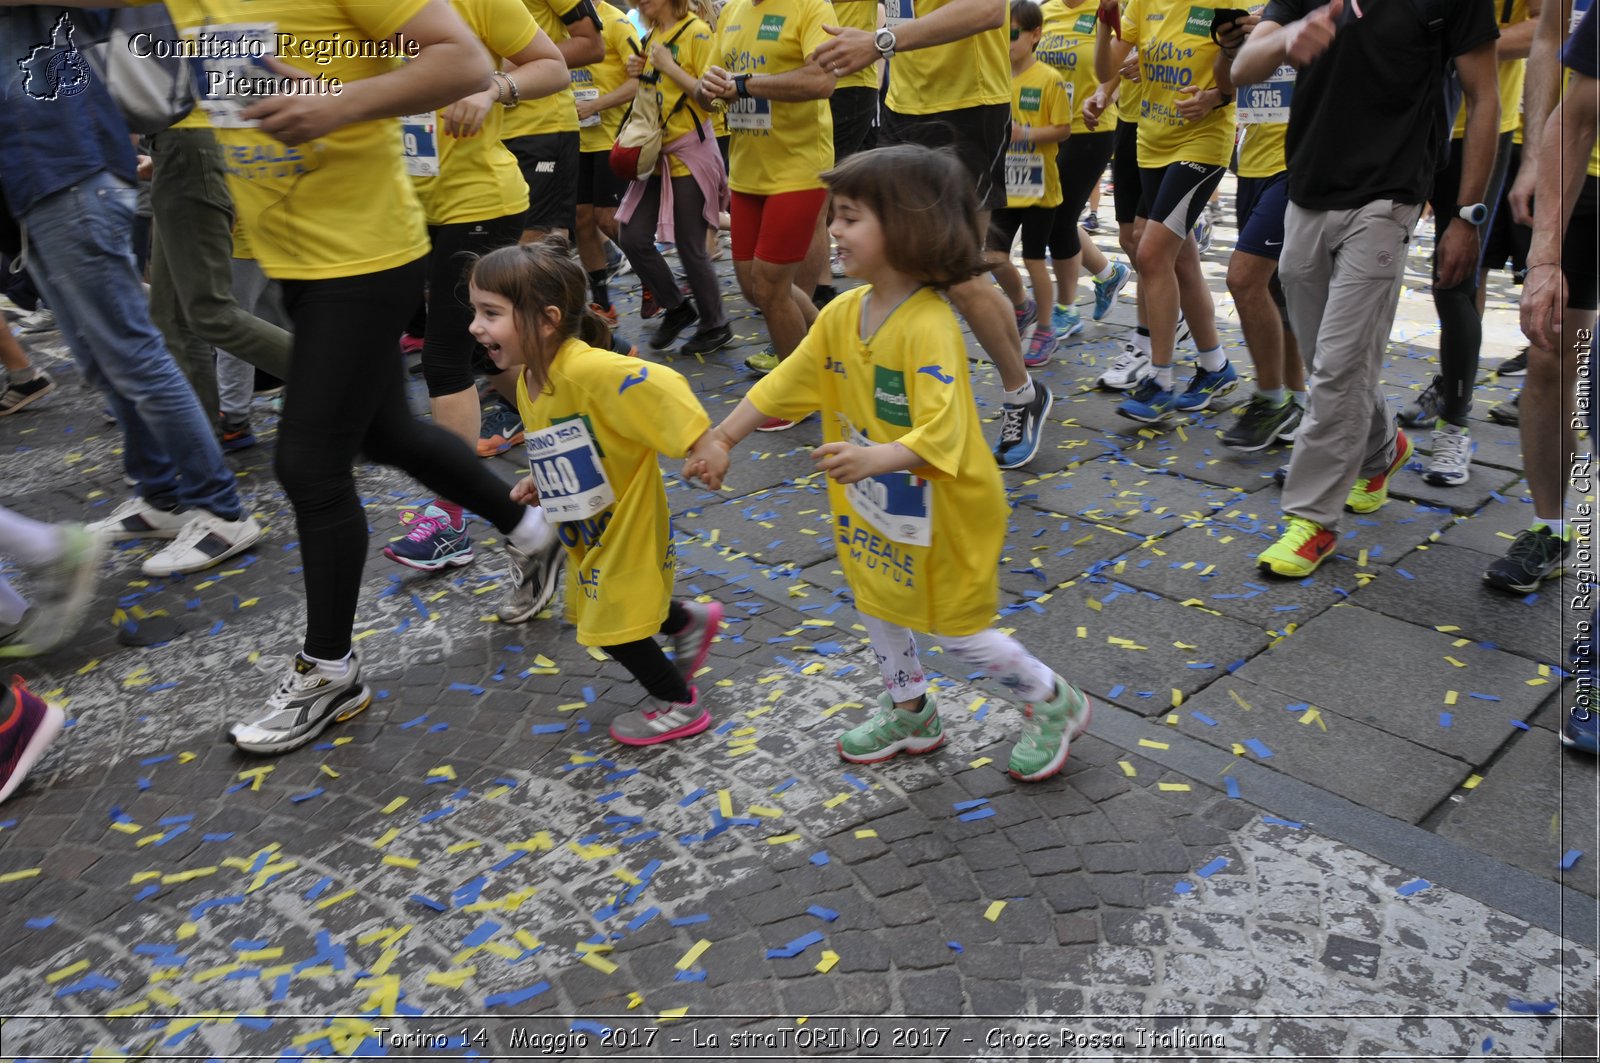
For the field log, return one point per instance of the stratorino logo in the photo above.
(56, 70)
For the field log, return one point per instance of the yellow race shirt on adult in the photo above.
(338, 206)
(1509, 75)
(1130, 94)
(557, 113)
(692, 47)
(948, 77)
(477, 177)
(777, 146)
(920, 548)
(1175, 54)
(593, 436)
(599, 132)
(858, 15)
(1039, 97)
(1066, 45)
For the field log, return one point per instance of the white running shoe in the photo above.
(1128, 371)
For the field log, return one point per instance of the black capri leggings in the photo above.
(1082, 160)
(448, 348)
(346, 397)
(645, 661)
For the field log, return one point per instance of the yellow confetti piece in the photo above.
(463, 847)
(1177, 697)
(138, 1007)
(981, 762)
(992, 912)
(443, 771)
(692, 957)
(162, 998)
(329, 772)
(1173, 787)
(66, 972)
(394, 806)
(836, 800)
(826, 964)
(329, 902)
(367, 634)
(866, 833)
(1537, 682)
(725, 803)
(126, 828)
(91, 666)
(783, 839)
(1447, 628)
(1150, 743)
(764, 812)
(18, 876)
(211, 974)
(454, 978)
(408, 862)
(187, 876)
(1127, 768)
(386, 837)
(1453, 661)
(1361, 559)
(256, 773)
(256, 955)
(1092, 604)
(672, 1014)
(1172, 719)
(597, 653)
(1472, 782)
(599, 963)
(571, 706)
(1243, 704)
(1239, 750)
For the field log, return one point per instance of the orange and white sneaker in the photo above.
(1304, 545)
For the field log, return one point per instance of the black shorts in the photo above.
(598, 186)
(980, 136)
(1507, 240)
(724, 148)
(1035, 223)
(854, 109)
(1262, 202)
(1578, 256)
(1126, 187)
(1174, 195)
(549, 163)
(1082, 160)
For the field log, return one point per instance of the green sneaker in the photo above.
(1047, 733)
(762, 362)
(893, 731)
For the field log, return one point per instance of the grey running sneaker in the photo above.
(661, 721)
(534, 579)
(692, 645)
(305, 703)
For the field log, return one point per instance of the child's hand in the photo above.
(525, 492)
(846, 462)
(708, 460)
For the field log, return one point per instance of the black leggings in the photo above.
(1460, 327)
(447, 351)
(1082, 160)
(647, 663)
(346, 397)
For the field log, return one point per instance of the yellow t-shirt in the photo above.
(1066, 45)
(693, 50)
(556, 113)
(777, 146)
(1509, 74)
(1130, 94)
(920, 550)
(593, 436)
(605, 76)
(1039, 97)
(1176, 51)
(1263, 110)
(338, 206)
(478, 178)
(948, 77)
(859, 15)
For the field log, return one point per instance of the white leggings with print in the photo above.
(998, 656)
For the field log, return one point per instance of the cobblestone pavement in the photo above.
(1310, 820)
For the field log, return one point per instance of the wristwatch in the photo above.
(884, 39)
(1476, 214)
(741, 85)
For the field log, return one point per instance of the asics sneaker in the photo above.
(1425, 409)
(762, 362)
(1106, 292)
(1027, 314)
(534, 579)
(1041, 345)
(1065, 321)
(305, 703)
(431, 544)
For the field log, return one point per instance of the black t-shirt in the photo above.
(1582, 52)
(1367, 119)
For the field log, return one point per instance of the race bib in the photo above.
(897, 505)
(1267, 103)
(1024, 173)
(587, 94)
(897, 11)
(232, 54)
(750, 114)
(420, 135)
(566, 468)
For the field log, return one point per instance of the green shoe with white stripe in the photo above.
(893, 731)
(1048, 729)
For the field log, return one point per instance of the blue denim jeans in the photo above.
(80, 252)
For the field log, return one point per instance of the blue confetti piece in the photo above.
(588, 1026)
(639, 921)
(1521, 725)
(1488, 1044)
(86, 983)
(1116, 691)
(978, 802)
(1572, 857)
(1282, 822)
(1232, 785)
(429, 902)
(954, 946)
(318, 890)
(548, 728)
(820, 859)
(1213, 867)
(220, 836)
(515, 996)
(42, 923)
(470, 688)
(786, 784)
(412, 723)
(1484, 697)
(438, 813)
(1446, 719)
(588, 695)
(691, 920)
(977, 813)
(1183, 887)
(148, 762)
(1400, 571)
(487, 930)
(856, 781)
(308, 795)
(825, 914)
(795, 947)
(690, 976)
(1525, 1007)
(1416, 885)
(1203, 718)
(1258, 747)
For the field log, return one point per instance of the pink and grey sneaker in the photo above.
(27, 727)
(661, 721)
(692, 645)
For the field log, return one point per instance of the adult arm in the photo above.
(1516, 40)
(1109, 53)
(808, 82)
(1271, 44)
(537, 70)
(1567, 140)
(1539, 94)
(850, 49)
(583, 45)
(1457, 255)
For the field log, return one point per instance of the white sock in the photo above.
(1557, 525)
(332, 669)
(533, 533)
(1163, 377)
(1213, 359)
(1275, 396)
(12, 604)
(1301, 397)
(1107, 273)
(1020, 397)
(32, 542)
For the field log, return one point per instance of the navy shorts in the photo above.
(1263, 202)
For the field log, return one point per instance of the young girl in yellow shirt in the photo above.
(919, 509)
(595, 422)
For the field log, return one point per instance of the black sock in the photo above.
(1142, 330)
(597, 286)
